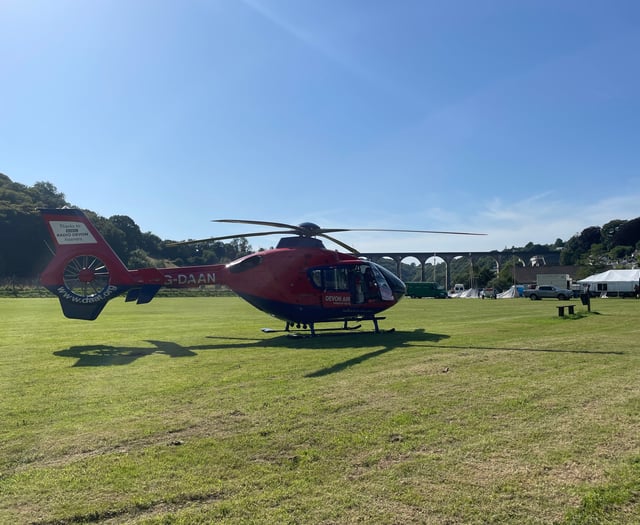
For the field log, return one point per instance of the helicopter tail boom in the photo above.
(86, 273)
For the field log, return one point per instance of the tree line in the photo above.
(25, 245)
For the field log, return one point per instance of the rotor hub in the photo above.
(309, 229)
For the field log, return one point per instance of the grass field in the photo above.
(182, 411)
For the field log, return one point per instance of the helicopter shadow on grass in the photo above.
(111, 355)
(388, 341)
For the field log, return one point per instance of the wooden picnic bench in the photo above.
(569, 307)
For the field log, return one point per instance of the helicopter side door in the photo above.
(338, 287)
(341, 285)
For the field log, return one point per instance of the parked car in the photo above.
(489, 293)
(548, 292)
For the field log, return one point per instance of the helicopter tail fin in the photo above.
(85, 272)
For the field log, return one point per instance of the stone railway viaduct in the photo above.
(501, 258)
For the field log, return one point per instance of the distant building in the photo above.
(528, 275)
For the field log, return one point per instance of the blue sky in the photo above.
(519, 119)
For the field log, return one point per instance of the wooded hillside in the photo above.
(24, 241)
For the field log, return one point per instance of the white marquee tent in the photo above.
(612, 281)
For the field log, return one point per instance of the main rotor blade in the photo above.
(307, 230)
(258, 223)
(340, 243)
(336, 230)
(408, 231)
(225, 237)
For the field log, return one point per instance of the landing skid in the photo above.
(293, 329)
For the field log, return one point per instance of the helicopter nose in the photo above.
(400, 289)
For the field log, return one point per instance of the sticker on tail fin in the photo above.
(71, 232)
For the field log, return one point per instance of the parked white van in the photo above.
(458, 288)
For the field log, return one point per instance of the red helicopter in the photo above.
(300, 281)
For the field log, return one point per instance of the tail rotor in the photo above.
(86, 276)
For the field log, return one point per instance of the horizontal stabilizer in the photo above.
(143, 294)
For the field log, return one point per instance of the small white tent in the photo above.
(470, 293)
(511, 293)
(612, 282)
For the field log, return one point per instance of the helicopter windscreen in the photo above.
(391, 287)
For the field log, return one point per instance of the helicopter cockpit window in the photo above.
(316, 278)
